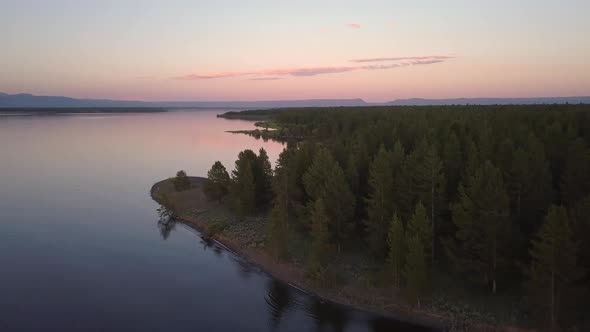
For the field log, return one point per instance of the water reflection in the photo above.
(245, 269)
(166, 222)
(328, 316)
(283, 299)
(279, 300)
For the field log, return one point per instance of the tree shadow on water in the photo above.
(328, 316)
(279, 300)
(166, 222)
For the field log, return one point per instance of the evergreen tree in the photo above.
(471, 159)
(379, 203)
(320, 237)
(263, 179)
(452, 163)
(420, 226)
(243, 184)
(181, 181)
(576, 174)
(396, 246)
(481, 217)
(553, 267)
(278, 227)
(426, 182)
(398, 157)
(217, 184)
(538, 191)
(416, 271)
(301, 161)
(529, 185)
(580, 218)
(325, 180)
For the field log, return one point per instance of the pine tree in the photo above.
(398, 157)
(553, 266)
(247, 194)
(320, 237)
(529, 184)
(423, 172)
(396, 247)
(576, 174)
(278, 226)
(420, 226)
(482, 219)
(416, 271)
(325, 180)
(243, 186)
(263, 179)
(471, 159)
(452, 164)
(181, 181)
(580, 218)
(217, 184)
(379, 202)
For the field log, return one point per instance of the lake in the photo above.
(80, 247)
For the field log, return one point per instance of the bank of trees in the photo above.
(249, 189)
(491, 192)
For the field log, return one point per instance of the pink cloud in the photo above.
(213, 75)
(427, 57)
(401, 64)
(354, 25)
(265, 79)
(276, 73)
(310, 71)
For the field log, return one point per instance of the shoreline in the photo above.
(287, 272)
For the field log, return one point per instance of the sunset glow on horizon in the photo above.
(268, 50)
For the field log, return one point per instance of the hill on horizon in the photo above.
(26, 100)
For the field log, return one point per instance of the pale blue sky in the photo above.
(140, 49)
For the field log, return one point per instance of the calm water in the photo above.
(80, 248)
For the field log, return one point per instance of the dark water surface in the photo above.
(80, 249)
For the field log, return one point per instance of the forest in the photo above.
(495, 197)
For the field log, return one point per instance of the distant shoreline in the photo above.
(77, 110)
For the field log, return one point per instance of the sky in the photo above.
(268, 50)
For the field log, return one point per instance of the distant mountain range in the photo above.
(490, 101)
(25, 100)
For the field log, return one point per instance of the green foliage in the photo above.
(482, 219)
(529, 184)
(181, 181)
(251, 182)
(396, 247)
(243, 184)
(424, 180)
(576, 175)
(553, 268)
(320, 238)
(325, 181)
(453, 160)
(416, 271)
(263, 179)
(485, 176)
(217, 185)
(379, 203)
(420, 227)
